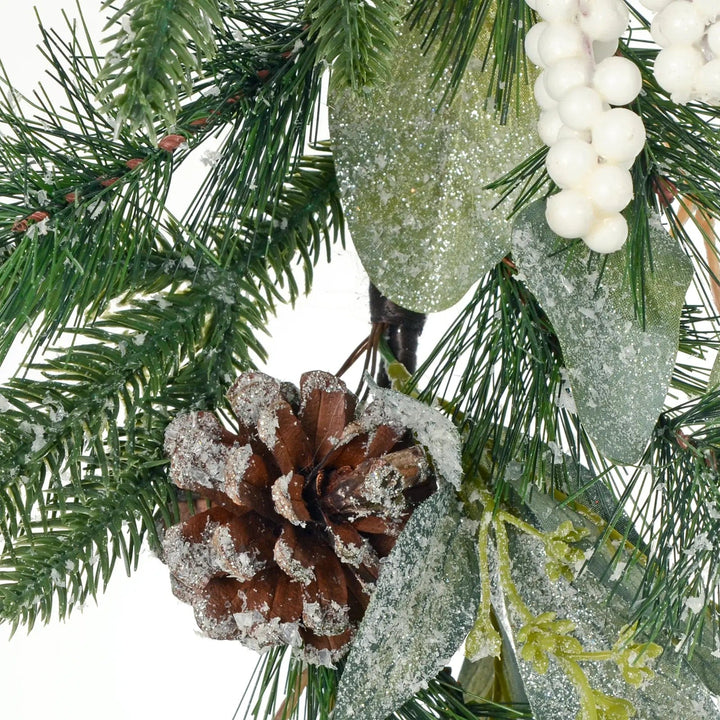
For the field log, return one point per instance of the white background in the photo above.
(137, 654)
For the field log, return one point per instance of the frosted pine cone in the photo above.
(307, 498)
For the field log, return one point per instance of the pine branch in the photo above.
(102, 406)
(274, 85)
(673, 497)
(152, 57)
(507, 393)
(105, 198)
(355, 37)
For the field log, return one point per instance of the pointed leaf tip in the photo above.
(619, 370)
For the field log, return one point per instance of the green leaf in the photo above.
(412, 173)
(601, 618)
(619, 370)
(423, 606)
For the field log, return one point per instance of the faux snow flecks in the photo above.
(308, 496)
(619, 690)
(412, 174)
(688, 31)
(423, 606)
(618, 370)
(592, 145)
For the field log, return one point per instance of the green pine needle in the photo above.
(158, 46)
(356, 37)
(452, 29)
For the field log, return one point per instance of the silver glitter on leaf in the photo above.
(412, 175)
(675, 691)
(423, 606)
(618, 370)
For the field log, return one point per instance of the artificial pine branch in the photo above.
(151, 57)
(99, 401)
(356, 37)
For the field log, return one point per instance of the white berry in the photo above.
(609, 187)
(655, 4)
(580, 107)
(554, 10)
(713, 38)
(675, 68)
(708, 81)
(604, 20)
(549, 126)
(570, 161)
(709, 10)
(566, 75)
(561, 40)
(618, 80)
(542, 97)
(569, 214)
(607, 234)
(567, 133)
(680, 24)
(602, 49)
(618, 135)
(532, 39)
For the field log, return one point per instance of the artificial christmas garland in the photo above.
(542, 490)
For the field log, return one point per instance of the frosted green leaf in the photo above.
(422, 608)
(714, 379)
(618, 370)
(431, 428)
(412, 173)
(678, 689)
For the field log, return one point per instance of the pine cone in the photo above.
(306, 498)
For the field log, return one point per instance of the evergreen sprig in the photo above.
(152, 57)
(285, 688)
(511, 384)
(273, 84)
(355, 37)
(102, 200)
(99, 413)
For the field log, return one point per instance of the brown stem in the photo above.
(401, 329)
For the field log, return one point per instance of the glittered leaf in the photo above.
(423, 607)
(430, 427)
(618, 370)
(675, 689)
(714, 379)
(412, 175)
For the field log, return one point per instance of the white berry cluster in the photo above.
(593, 143)
(688, 31)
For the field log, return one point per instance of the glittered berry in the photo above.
(607, 234)
(609, 187)
(566, 75)
(676, 68)
(569, 214)
(618, 80)
(580, 107)
(570, 161)
(680, 24)
(549, 126)
(604, 20)
(561, 40)
(532, 40)
(618, 136)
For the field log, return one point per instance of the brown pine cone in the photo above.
(306, 498)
